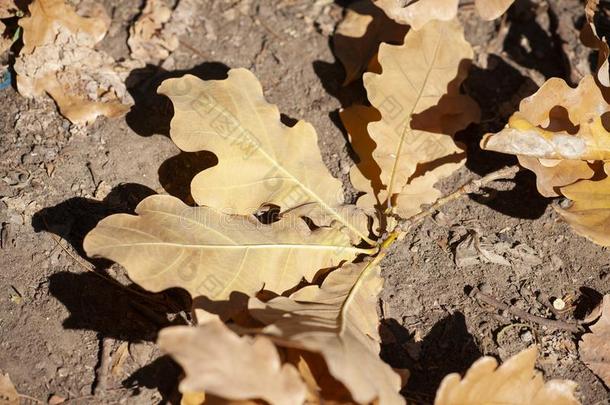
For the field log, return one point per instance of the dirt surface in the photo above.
(67, 330)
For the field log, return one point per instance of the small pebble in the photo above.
(527, 336)
(559, 304)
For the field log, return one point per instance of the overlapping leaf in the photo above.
(219, 362)
(339, 321)
(58, 58)
(358, 36)
(590, 38)
(595, 346)
(552, 174)
(261, 160)
(516, 381)
(418, 13)
(168, 244)
(589, 212)
(414, 120)
(557, 122)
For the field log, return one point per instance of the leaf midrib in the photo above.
(408, 128)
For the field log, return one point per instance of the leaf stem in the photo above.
(405, 225)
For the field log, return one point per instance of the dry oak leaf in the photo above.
(418, 116)
(419, 13)
(358, 36)
(208, 253)
(259, 158)
(590, 38)
(557, 122)
(8, 393)
(553, 174)
(148, 40)
(515, 382)
(589, 214)
(58, 58)
(339, 321)
(219, 362)
(595, 346)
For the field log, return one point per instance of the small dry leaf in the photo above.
(219, 362)
(552, 174)
(8, 393)
(208, 253)
(411, 132)
(589, 214)
(58, 58)
(595, 346)
(557, 122)
(357, 38)
(278, 165)
(514, 382)
(418, 13)
(339, 321)
(149, 41)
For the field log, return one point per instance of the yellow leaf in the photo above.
(419, 13)
(559, 173)
(219, 362)
(492, 9)
(192, 398)
(419, 116)
(514, 382)
(260, 159)
(366, 175)
(557, 122)
(595, 347)
(79, 110)
(359, 34)
(589, 214)
(168, 244)
(40, 28)
(8, 393)
(339, 321)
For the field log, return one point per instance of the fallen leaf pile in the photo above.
(560, 134)
(59, 58)
(317, 338)
(270, 221)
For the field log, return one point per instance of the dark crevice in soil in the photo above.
(447, 348)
